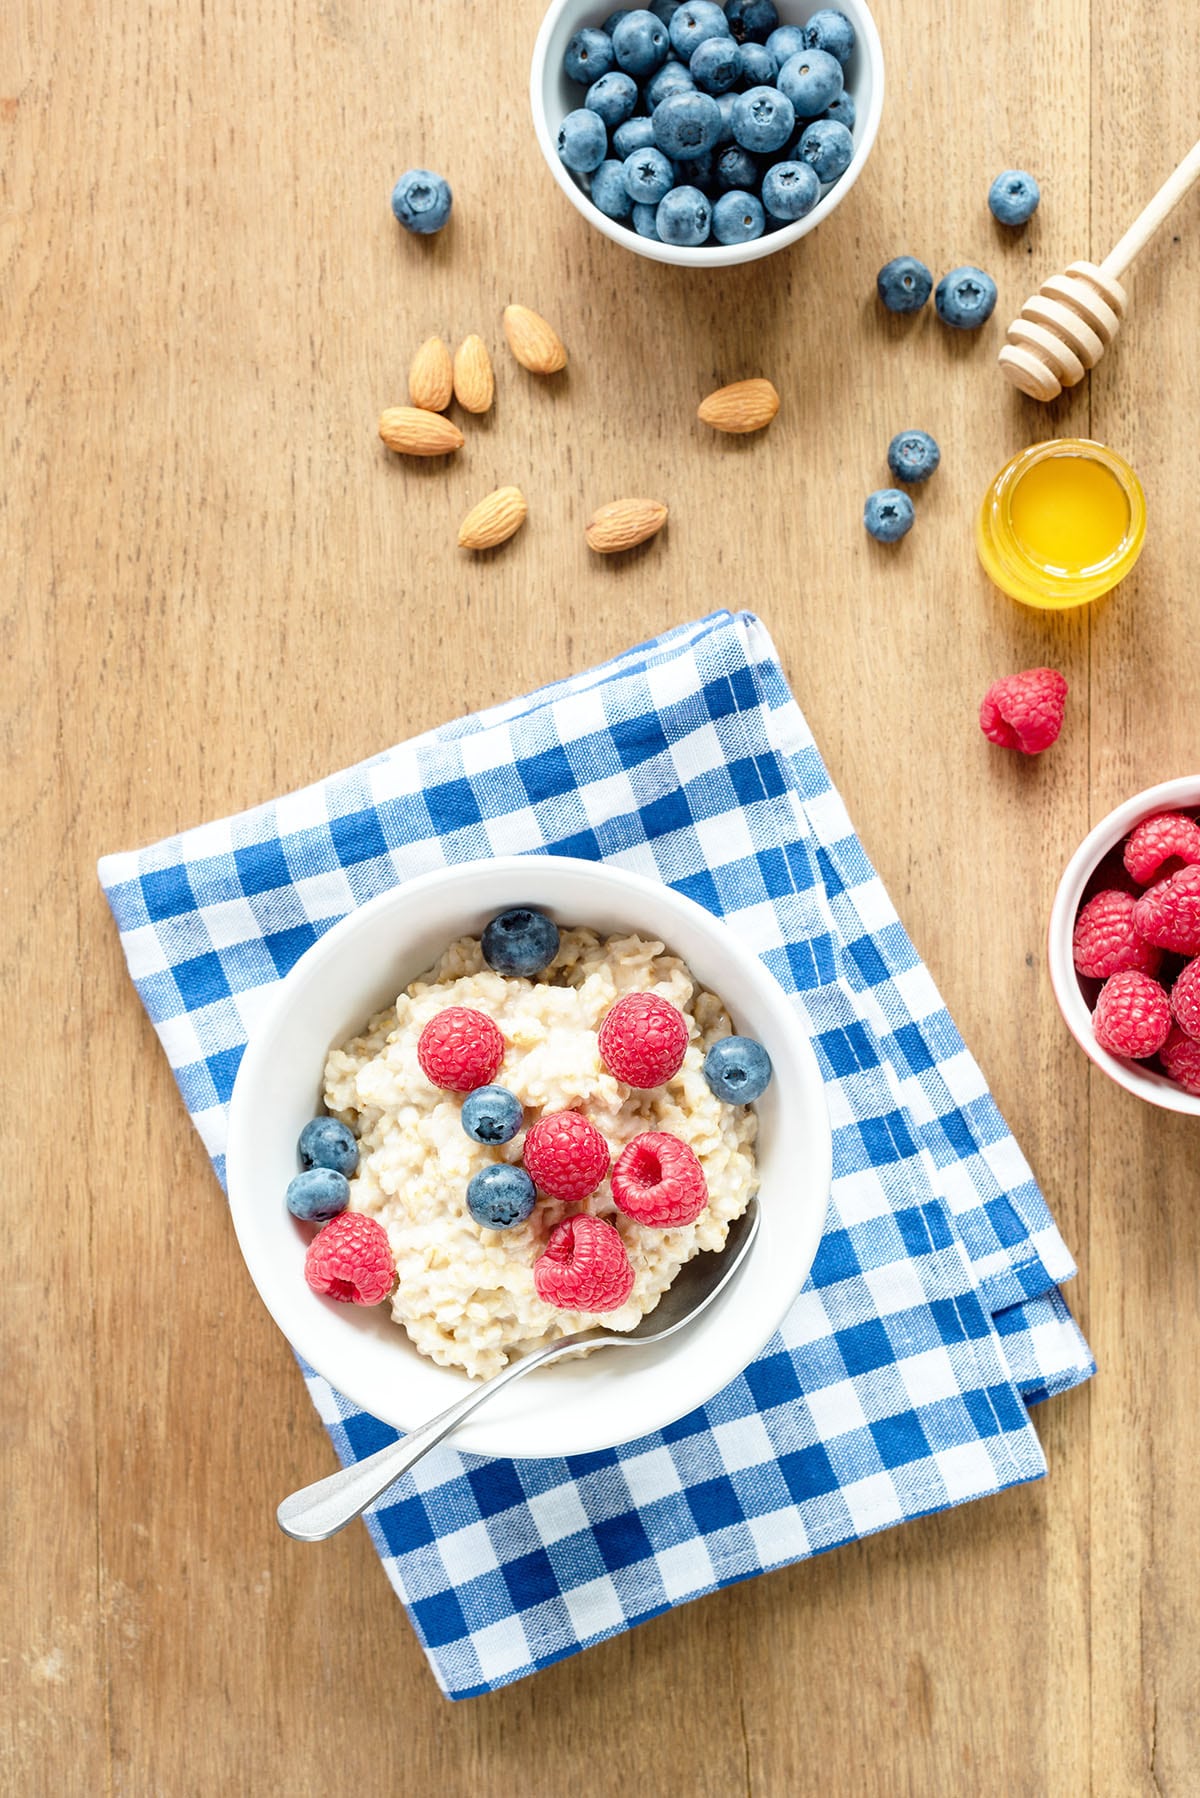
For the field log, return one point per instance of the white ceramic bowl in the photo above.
(553, 96)
(356, 969)
(1171, 796)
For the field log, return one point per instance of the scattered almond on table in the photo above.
(534, 343)
(494, 520)
(624, 523)
(741, 407)
(431, 376)
(474, 383)
(410, 431)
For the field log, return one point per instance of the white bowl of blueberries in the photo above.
(705, 134)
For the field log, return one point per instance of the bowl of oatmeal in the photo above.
(342, 1036)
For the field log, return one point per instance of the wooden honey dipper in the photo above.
(1066, 326)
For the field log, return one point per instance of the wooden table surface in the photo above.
(218, 587)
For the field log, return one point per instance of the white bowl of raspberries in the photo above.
(1124, 945)
(705, 134)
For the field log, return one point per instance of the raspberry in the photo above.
(643, 1040)
(1105, 941)
(460, 1049)
(1024, 711)
(583, 1267)
(1132, 1016)
(1166, 836)
(1185, 999)
(351, 1260)
(1180, 1056)
(658, 1181)
(1169, 914)
(566, 1155)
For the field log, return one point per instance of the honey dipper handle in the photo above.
(1151, 217)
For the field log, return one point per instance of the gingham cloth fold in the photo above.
(900, 1381)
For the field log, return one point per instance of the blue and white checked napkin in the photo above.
(901, 1379)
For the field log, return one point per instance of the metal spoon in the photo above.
(322, 1509)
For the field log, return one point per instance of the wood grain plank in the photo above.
(224, 588)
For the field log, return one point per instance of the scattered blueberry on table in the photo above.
(421, 201)
(327, 1142)
(693, 80)
(520, 942)
(888, 515)
(317, 1195)
(738, 1070)
(492, 1115)
(904, 284)
(1013, 197)
(913, 456)
(965, 298)
(500, 1197)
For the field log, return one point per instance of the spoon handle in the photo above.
(318, 1511)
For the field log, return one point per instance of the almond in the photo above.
(431, 376)
(473, 382)
(494, 520)
(624, 522)
(533, 343)
(412, 432)
(743, 406)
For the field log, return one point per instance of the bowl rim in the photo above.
(717, 255)
(1167, 795)
(243, 1199)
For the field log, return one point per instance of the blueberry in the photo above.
(686, 125)
(640, 44)
(965, 298)
(735, 168)
(785, 42)
(614, 19)
(888, 515)
(422, 201)
(318, 1194)
(716, 65)
(756, 66)
(665, 9)
(832, 31)
(644, 222)
(812, 80)
(697, 171)
(1013, 197)
(684, 217)
(725, 105)
(648, 176)
(492, 1115)
(763, 120)
(633, 135)
(904, 284)
(790, 190)
(829, 147)
(738, 1070)
(738, 218)
(582, 141)
(672, 78)
(693, 23)
(843, 110)
(327, 1142)
(614, 97)
(499, 1196)
(913, 456)
(521, 941)
(588, 56)
(609, 192)
(751, 21)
